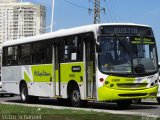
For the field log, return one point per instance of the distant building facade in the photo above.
(21, 19)
(8, 1)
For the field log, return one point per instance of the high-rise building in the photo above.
(8, 1)
(21, 19)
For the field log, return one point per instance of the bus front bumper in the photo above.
(107, 94)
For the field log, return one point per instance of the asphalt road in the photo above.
(148, 107)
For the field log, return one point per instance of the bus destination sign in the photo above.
(144, 40)
(126, 30)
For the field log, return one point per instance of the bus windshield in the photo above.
(127, 55)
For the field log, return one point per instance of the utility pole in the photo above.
(97, 10)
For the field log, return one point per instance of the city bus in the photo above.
(102, 62)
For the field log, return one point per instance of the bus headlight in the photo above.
(107, 82)
(154, 83)
(111, 85)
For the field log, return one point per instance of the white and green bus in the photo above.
(102, 62)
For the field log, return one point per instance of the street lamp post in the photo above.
(52, 15)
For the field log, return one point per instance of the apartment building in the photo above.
(8, 1)
(21, 19)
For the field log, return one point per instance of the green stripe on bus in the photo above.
(67, 72)
(42, 73)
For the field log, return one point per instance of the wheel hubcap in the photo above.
(23, 94)
(76, 96)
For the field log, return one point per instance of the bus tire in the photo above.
(158, 100)
(2, 95)
(124, 103)
(24, 93)
(11, 95)
(136, 101)
(75, 97)
(33, 99)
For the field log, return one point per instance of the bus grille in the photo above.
(132, 95)
(132, 85)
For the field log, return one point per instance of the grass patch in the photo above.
(16, 112)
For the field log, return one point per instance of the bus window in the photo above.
(41, 52)
(10, 56)
(73, 49)
(25, 56)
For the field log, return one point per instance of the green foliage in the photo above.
(37, 113)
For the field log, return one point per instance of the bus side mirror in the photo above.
(98, 49)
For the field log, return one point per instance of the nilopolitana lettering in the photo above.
(40, 74)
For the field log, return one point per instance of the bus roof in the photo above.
(65, 32)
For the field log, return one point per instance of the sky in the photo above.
(75, 13)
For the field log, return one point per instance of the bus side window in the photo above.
(4, 56)
(66, 51)
(41, 52)
(26, 54)
(73, 49)
(10, 56)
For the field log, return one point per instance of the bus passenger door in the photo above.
(56, 70)
(90, 67)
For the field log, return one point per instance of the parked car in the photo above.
(0, 85)
(137, 101)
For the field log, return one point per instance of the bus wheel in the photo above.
(158, 100)
(75, 97)
(11, 95)
(24, 93)
(33, 99)
(124, 103)
(136, 101)
(2, 95)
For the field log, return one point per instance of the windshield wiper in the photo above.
(125, 43)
